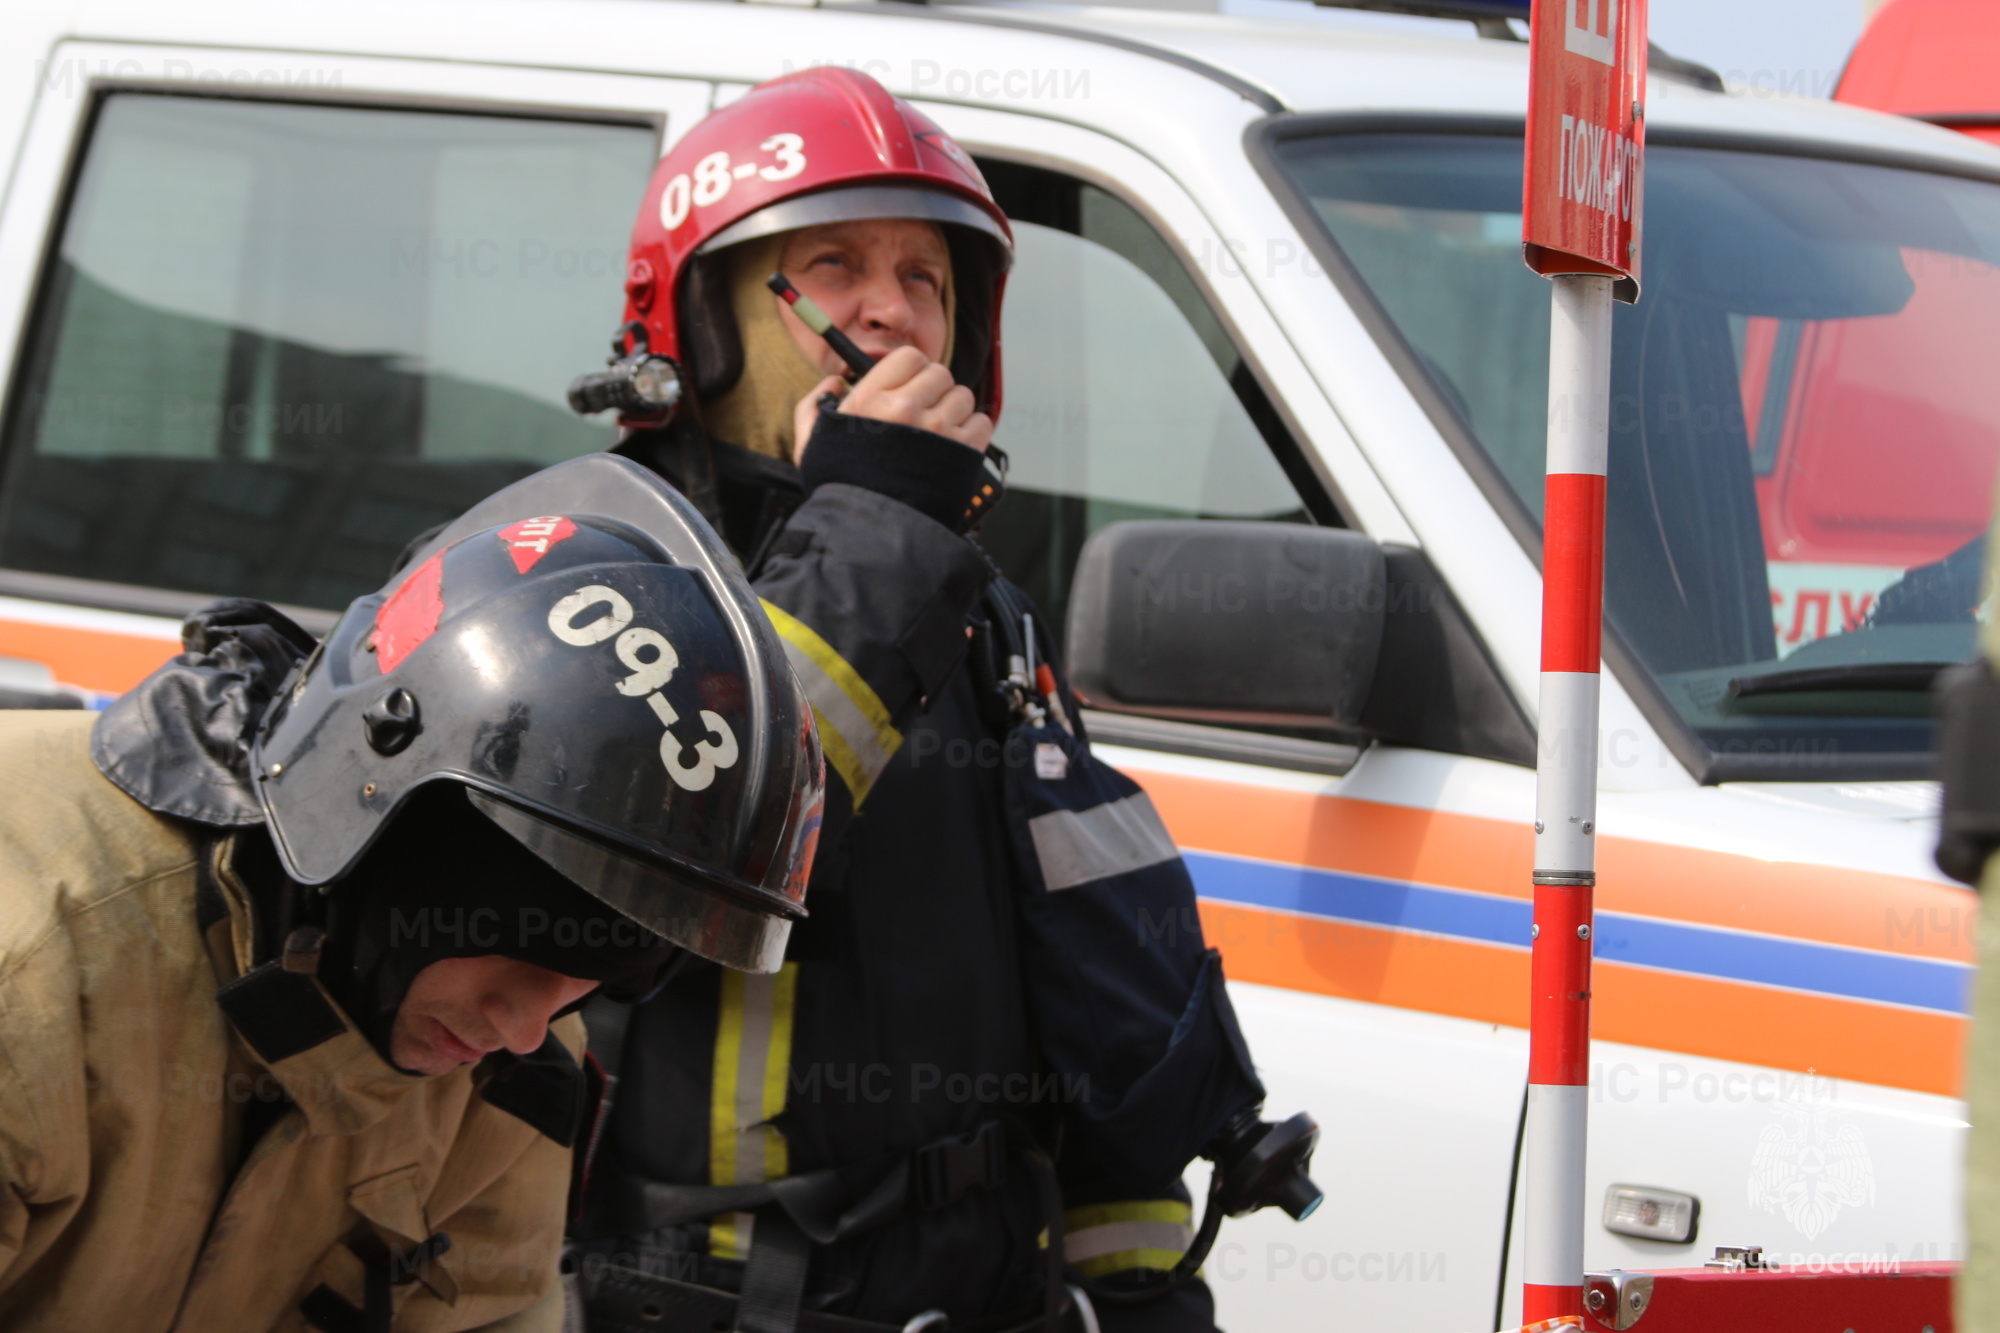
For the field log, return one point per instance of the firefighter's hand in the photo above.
(907, 387)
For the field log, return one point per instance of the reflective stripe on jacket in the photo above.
(871, 599)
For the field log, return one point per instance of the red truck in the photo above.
(1818, 394)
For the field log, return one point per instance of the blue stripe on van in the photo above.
(1766, 960)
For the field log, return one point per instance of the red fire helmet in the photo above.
(824, 144)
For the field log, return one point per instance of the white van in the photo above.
(283, 284)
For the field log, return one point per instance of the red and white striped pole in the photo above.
(1566, 794)
(1581, 203)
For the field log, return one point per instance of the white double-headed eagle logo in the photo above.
(1808, 1166)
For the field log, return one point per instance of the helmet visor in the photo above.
(674, 905)
(858, 203)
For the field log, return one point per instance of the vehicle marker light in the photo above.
(1651, 1214)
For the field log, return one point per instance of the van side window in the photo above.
(276, 341)
(1124, 396)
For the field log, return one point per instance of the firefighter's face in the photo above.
(460, 1009)
(881, 282)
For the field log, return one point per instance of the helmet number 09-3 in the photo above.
(652, 661)
(714, 174)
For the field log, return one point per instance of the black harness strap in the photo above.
(626, 1298)
(794, 1213)
(774, 1277)
(826, 1206)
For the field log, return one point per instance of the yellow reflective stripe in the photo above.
(845, 762)
(1122, 1261)
(1115, 1237)
(802, 636)
(753, 1053)
(722, 1083)
(854, 726)
(1139, 1210)
(728, 1235)
(778, 1068)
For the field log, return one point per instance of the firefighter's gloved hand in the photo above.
(905, 387)
(929, 472)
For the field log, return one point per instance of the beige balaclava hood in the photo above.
(756, 411)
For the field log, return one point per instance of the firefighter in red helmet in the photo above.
(967, 1099)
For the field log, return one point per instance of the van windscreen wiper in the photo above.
(1874, 677)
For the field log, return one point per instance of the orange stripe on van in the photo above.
(1832, 1036)
(95, 659)
(1304, 953)
(1855, 908)
(1668, 1011)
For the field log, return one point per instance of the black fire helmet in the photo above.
(581, 654)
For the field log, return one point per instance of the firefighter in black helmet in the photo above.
(970, 1093)
(291, 933)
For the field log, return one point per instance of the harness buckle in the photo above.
(944, 1172)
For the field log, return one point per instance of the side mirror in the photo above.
(1265, 623)
(1276, 624)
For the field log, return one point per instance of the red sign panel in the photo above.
(1586, 139)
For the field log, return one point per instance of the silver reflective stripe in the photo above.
(758, 993)
(852, 728)
(1078, 846)
(1119, 1237)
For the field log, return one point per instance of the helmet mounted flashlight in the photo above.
(637, 383)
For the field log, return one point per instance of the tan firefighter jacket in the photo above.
(122, 1096)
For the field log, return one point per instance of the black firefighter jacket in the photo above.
(899, 1018)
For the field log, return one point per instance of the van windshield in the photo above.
(1805, 418)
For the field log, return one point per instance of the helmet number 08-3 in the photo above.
(714, 174)
(651, 659)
